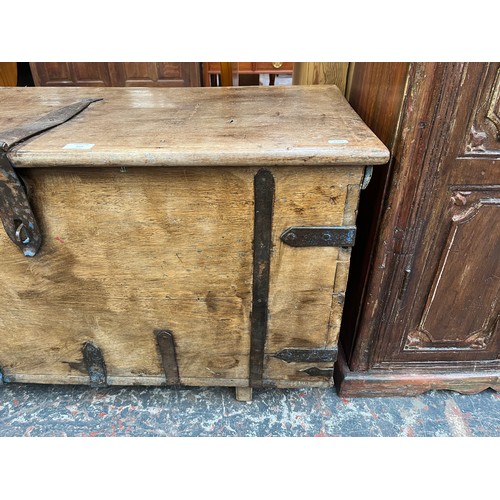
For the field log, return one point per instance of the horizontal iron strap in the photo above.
(319, 236)
(307, 355)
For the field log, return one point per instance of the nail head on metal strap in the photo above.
(319, 236)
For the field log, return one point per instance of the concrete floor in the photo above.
(34, 410)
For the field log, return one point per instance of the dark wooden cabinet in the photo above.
(121, 74)
(422, 309)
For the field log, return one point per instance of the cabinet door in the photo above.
(166, 74)
(70, 74)
(444, 297)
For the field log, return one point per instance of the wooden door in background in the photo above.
(121, 74)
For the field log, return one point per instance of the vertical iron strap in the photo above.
(264, 200)
(166, 346)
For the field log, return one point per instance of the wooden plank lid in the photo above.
(221, 126)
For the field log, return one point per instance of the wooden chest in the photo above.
(195, 236)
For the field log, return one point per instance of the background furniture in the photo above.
(212, 71)
(8, 74)
(122, 74)
(321, 73)
(422, 309)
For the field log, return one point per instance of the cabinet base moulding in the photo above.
(379, 383)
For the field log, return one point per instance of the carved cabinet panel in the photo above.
(447, 304)
(443, 303)
(462, 310)
(423, 311)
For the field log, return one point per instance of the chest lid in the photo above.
(221, 126)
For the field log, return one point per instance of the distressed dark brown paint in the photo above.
(377, 92)
(400, 381)
(430, 308)
(264, 199)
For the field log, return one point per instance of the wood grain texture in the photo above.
(128, 252)
(376, 92)
(307, 284)
(321, 73)
(125, 254)
(228, 126)
(8, 74)
(161, 239)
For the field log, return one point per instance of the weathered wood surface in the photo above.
(125, 254)
(128, 253)
(307, 285)
(229, 126)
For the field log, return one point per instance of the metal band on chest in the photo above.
(264, 199)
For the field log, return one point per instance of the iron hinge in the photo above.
(15, 210)
(319, 372)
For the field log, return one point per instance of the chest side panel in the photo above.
(307, 284)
